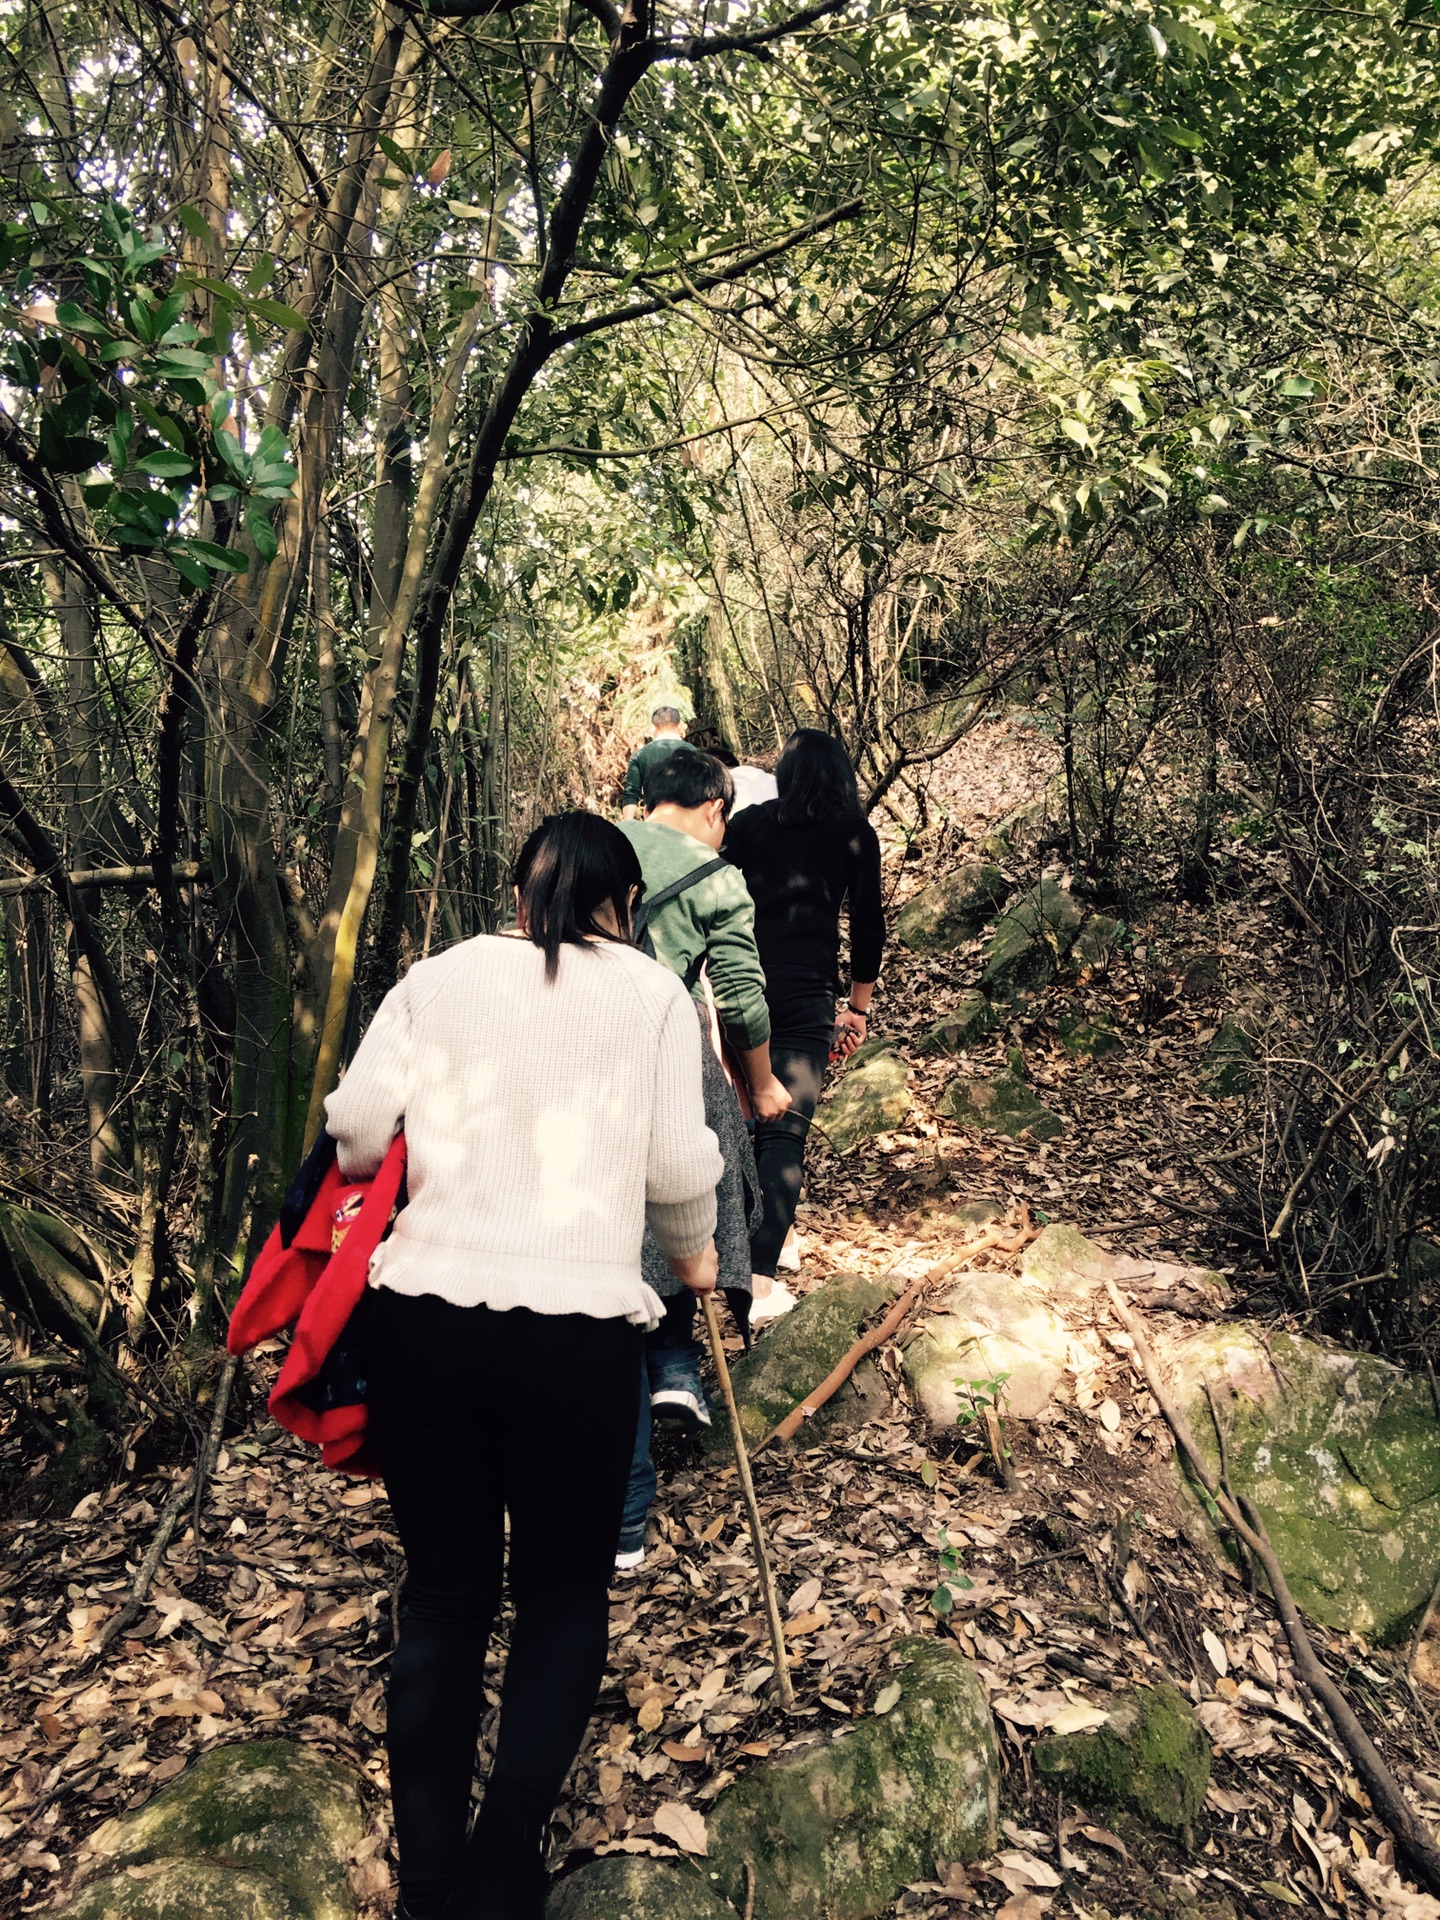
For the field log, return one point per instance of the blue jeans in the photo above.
(672, 1359)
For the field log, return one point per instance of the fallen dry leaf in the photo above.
(682, 1824)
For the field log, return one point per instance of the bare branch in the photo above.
(703, 282)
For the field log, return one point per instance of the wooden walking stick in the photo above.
(752, 1511)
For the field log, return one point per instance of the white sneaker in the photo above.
(776, 1300)
(628, 1562)
(680, 1404)
(789, 1257)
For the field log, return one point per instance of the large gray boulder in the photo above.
(836, 1831)
(951, 910)
(991, 1324)
(627, 1886)
(259, 1831)
(791, 1359)
(873, 1096)
(1341, 1454)
(1029, 942)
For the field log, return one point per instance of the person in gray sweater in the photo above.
(549, 1086)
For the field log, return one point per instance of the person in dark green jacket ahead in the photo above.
(708, 925)
(669, 733)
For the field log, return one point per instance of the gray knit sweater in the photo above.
(545, 1123)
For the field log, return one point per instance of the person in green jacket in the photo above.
(707, 925)
(668, 731)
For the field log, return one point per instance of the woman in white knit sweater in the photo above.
(549, 1086)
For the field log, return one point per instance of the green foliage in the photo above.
(120, 381)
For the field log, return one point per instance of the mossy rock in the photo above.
(1340, 1452)
(794, 1355)
(870, 1098)
(1095, 944)
(951, 910)
(1002, 1105)
(627, 1886)
(1029, 942)
(258, 1831)
(1089, 1039)
(1151, 1758)
(964, 1027)
(1225, 1065)
(991, 1324)
(836, 1831)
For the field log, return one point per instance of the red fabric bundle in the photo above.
(315, 1284)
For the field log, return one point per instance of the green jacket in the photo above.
(641, 761)
(714, 918)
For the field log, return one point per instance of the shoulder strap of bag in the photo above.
(652, 902)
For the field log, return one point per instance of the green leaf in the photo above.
(195, 224)
(261, 274)
(183, 360)
(1277, 1892)
(166, 466)
(1297, 387)
(257, 523)
(190, 571)
(223, 557)
(76, 320)
(279, 314)
(396, 154)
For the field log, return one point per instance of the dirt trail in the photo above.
(1082, 1579)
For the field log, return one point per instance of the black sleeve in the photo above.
(867, 909)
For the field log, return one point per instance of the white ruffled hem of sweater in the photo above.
(466, 1279)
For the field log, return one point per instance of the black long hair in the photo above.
(816, 780)
(572, 866)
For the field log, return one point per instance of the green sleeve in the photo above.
(634, 780)
(733, 962)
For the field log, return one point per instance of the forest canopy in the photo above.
(397, 399)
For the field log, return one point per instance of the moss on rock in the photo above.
(1225, 1064)
(835, 1831)
(1151, 1758)
(1089, 1039)
(1341, 1454)
(871, 1098)
(626, 1886)
(263, 1821)
(963, 1027)
(1002, 1105)
(1029, 942)
(951, 910)
(794, 1357)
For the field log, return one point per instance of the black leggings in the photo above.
(799, 1054)
(476, 1414)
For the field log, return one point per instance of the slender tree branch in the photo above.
(702, 283)
(706, 46)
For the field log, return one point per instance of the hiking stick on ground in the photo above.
(878, 1335)
(1387, 1796)
(752, 1510)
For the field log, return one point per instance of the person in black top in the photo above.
(803, 855)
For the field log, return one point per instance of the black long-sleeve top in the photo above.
(799, 878)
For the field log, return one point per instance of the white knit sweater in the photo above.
(544, 1123)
